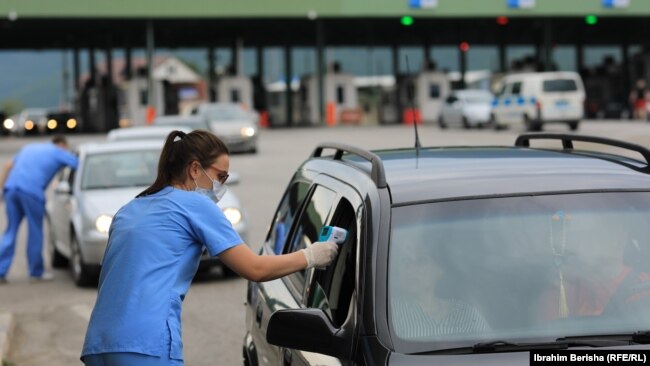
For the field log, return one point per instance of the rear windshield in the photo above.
(560, 85)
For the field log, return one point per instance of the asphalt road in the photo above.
(52, 317)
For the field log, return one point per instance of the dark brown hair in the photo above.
(59, 139)
(180, 150)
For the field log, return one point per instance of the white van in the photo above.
(537, 98)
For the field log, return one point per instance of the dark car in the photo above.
(61, 122)
(459, 255)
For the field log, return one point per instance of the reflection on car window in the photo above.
(285, 215)
(226, 113)
(560, 85)
(120, 169)
(332, 287)
(545, 266)
(311, 221)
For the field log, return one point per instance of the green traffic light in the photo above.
(407, 21)
(591, 19)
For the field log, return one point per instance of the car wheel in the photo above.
(532, 125)
(574, 125)
(80, 272)
(466, 124)
(494, 124)
(441, 123)
(57, 260)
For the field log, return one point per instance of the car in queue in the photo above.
(460, 255)
(61, 122)
(159, 133)
(234, 124)
(84, 201)
(467, 109)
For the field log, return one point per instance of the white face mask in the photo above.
(217, 191)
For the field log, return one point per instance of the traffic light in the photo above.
(502, 20)
(591, 20)
(463, 46)
(407, 21)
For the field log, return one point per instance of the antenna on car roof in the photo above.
(410, 89)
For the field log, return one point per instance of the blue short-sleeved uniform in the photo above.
(154, 246)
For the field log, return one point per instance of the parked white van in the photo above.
(538, 98)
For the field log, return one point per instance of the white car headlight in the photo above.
(9, 124)
(233, 215)
(247, 131)
(103, 223)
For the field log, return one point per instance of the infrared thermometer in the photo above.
(334, 234)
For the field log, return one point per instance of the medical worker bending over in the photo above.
(23, 182)
(154, 246)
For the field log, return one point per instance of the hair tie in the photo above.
(179, 136)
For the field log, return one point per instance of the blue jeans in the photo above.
(129, 359)
(20, 205)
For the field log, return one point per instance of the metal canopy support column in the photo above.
(110, 107)
(288, 72)
(128, 67)
(462, 57)
(212, 94)
(580, 57)
(75, 74)
(398, 101)
(320, 69)
(547, 46)
(428, 61)
(625, 48)
(151, 109)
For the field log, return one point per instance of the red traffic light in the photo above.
(464, 46)
(502, 20)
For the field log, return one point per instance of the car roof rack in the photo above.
(567, 142)
(377, 172)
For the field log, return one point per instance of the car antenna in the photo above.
(409, 95)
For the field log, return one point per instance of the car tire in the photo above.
(57, 260)
(441, 123)
(532, 125)
(80, 272)
(466, 124)
(494, 124)
(573, 125)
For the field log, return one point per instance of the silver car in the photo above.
(144, 132)
(234, 124)
(84, 201)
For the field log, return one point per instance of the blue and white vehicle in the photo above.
(533, 99)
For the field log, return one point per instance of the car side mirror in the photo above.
(63, 187)
(308, 330)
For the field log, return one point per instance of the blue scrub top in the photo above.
(35, 165)
(154, 246)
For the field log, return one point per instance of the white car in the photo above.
(466, 108)
(234, 124)
(535, 99)
(84, 202)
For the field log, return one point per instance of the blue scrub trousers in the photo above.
(129, 359)
(19, 205)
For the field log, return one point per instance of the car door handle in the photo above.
(258, 315)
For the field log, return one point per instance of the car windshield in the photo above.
(560, 85)
(226, 113)
(136, 168)
(478, 99)
(519, 268)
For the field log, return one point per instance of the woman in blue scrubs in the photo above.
(154, 246)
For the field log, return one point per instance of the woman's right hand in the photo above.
(320, 254)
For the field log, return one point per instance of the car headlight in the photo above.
(29, 125)
(71, 123)
(233, 215)
(9, 124)
(103, 223)
(51, 124)
(247, 131)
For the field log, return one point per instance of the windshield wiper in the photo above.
(506, 346)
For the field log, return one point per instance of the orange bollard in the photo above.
(411, 115)
(151, 114)
(330, 114)
(264, 119)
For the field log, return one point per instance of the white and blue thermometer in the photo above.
(334, 234)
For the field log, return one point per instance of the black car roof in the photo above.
(442, 173)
